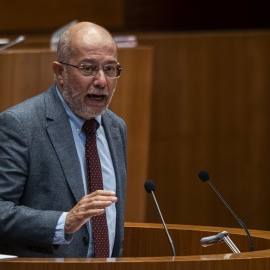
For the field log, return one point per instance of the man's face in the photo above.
(89, 96)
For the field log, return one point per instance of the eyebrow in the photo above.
(93, 61)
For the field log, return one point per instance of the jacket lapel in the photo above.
(61, 136)
(113, 137)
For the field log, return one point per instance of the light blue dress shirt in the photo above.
(108, 175)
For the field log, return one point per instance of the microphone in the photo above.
(210, 240)
(204, 176)
(150, 188)
(219, 238)
(14, 42)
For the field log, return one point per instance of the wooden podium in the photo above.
(146, 247)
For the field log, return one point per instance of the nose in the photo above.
(100, 78)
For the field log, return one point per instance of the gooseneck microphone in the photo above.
(204, 176)
(14, 42)
(150, 188)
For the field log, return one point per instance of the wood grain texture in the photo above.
(148, 240)
(210, 110)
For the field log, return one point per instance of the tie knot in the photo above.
(90, 127)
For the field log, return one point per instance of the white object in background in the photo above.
(4, 41)
(2, 257)
(125, 41)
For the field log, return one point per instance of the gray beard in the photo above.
(72, 98)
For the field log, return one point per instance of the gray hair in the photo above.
(64, 50)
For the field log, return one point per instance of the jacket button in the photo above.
(85, 241)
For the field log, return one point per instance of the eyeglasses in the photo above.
(111, 71)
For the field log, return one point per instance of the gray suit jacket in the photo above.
(40, 177)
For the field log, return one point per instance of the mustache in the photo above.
(98, 91)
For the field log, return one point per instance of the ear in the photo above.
(58, 71)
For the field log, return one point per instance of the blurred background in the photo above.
(195, 94)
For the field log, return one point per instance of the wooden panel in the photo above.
(146, 239)
(150, 240)
(210, 110)
(45, 16)
(25, 73)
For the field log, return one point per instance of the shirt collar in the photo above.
(76, 120)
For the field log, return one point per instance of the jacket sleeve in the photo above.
(26, 226)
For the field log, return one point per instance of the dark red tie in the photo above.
(94, 177)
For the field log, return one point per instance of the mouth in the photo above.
(95, 97)
(95, 100)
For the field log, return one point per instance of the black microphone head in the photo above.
(149, 186)
(204, 175)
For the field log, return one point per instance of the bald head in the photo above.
(80, 35)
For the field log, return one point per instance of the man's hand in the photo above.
(89, 206)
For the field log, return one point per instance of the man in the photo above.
(46, 208)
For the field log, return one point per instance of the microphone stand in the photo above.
(237, 218)
(164, 225)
